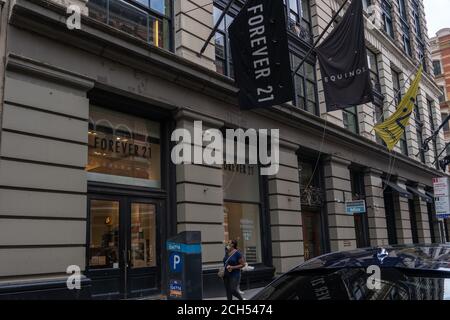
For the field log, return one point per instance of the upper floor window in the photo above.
(402, 9)
(397, 99)
(442, 95)
(419, 131)
(224, 63)
(148, 20)
(421, 54)
(437, 69)
(299, 18)
(396, 87)
(387, 18)
(430, 105)
(350, 118)
(446, 126)
(366, 4)
(305, 85)
(416, 18)
(406, 41)
(373, 67)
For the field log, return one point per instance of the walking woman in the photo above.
(233, 263)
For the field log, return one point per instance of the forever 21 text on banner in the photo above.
(260, 55)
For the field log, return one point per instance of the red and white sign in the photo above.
(442, 197)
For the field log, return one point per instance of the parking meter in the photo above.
(185, 266)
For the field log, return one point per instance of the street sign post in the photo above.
(442, 197)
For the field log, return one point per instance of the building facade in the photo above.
(86, 177)
(440, 49)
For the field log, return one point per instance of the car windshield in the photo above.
(359, 284)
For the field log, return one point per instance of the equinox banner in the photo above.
(260, 55)
(343, 62)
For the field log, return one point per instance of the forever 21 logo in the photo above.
(122, 148)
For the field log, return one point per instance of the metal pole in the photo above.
(440, 154)
(320, 37)
(214, 30)
(425, 147)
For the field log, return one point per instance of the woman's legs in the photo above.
(226, 281)
(234, 285)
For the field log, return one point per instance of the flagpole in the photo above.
(214, 30)
(320, 37)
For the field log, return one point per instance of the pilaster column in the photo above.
(423, 223)
(285, 214)
(200, 195)
(402, 220)
(338, 189)
(375, 208)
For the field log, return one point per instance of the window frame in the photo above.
(386, 7)
(304, 80)
(150, 13)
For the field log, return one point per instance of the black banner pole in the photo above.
(214, 30)
(320, 37)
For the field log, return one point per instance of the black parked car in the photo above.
(410, 272)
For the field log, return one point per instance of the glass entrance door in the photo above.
(123, 247)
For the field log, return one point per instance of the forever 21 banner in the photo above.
(260, 55)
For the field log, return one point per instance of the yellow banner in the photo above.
(393, 128)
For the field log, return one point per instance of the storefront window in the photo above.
(242, 209)
(104, 236)
(123, 149)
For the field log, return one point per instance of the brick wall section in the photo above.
(285, 215)
(338, 189)
(375, 208)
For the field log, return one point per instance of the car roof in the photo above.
(417, 256)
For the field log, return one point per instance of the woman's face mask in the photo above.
(228, 247)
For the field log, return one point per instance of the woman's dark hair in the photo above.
(234, 243)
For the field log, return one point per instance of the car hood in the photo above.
(424, 257)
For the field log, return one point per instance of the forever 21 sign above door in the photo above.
(260, 55)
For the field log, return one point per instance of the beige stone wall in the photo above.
(42, 179)
(375, 208)
(285, 212)
(200, 197)
(193, 23)
(338, 190)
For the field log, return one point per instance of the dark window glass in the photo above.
(299, 19)
(373, 66)
(437, 67)
(148, 21)
(350, 117)
(419, 130)
(387, 18)
(433, 127)
(305, 86)
(224, 63)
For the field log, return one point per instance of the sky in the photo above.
(437, 15)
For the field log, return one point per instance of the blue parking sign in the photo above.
(176, 262)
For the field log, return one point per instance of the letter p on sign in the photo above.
(176, 262)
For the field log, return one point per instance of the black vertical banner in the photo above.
(259, 48)
(343, 62)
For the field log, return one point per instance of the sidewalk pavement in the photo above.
(248, 294)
